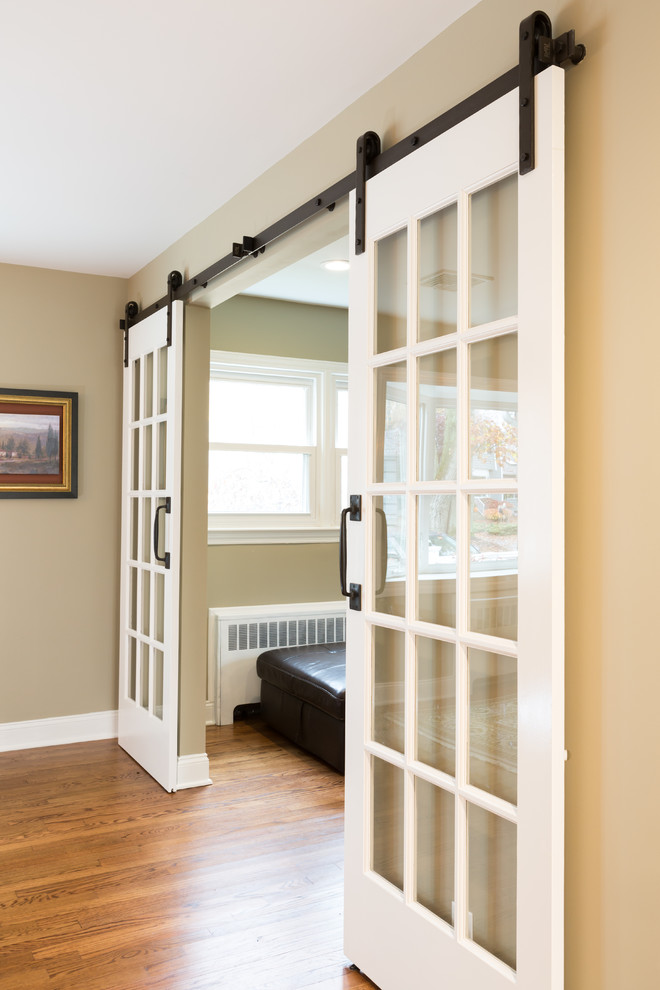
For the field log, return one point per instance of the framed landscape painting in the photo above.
(38, 444)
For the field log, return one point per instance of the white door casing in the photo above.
(150, 546)
(488, 828)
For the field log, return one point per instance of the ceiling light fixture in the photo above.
(336, 265)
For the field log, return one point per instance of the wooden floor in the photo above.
(109, 883)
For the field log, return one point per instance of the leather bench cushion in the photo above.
(315, 674)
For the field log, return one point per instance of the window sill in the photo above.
(235, 537)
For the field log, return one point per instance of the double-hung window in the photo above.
(277, 448)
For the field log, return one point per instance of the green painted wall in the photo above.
(269, 326)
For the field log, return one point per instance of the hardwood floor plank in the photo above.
(109, 883)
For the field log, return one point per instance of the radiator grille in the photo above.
(267, 635)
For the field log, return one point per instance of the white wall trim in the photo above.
(193, 771)
(246, 537)
(58, 731)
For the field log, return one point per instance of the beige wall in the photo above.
(613, 352)
(59, 558)
(264, 575)
(273, 575)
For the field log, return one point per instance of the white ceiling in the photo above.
(308, 281)
(126, 123)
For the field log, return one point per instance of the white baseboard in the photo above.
(210, 713)
(193, 771)
(58, 731)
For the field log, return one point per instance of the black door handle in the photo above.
(342, 553)
(354, 593)
(167, 506)
(382, 576)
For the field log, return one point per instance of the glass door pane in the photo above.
(136, 372)
(387, 819)
(392, 291)
(148, 385)
(494, 407)
(435, 704)
(162, 380)
(391, 423)
(493, 738)
(158, 684)
(438, 274)
(494, 252)
(132, 668)
(436, 401)
(146, 455)
(390, 554)
(388, 688)
(492, 871)
(493, 605)
(434, 810)
(436, 559)
(145, 678)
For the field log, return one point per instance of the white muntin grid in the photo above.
(461, 637)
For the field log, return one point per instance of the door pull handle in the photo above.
(382, 575)
(354, 592)
(167, 506)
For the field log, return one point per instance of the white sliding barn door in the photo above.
(455, 749)
(151, 511)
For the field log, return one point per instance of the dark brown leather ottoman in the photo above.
(303, 689)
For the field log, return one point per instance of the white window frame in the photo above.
(321, 523)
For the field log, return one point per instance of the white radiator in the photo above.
(238, 635)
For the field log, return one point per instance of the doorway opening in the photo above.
(278, 379)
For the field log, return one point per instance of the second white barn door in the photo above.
(151, 512)
(454, 780)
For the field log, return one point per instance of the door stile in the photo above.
(409, 840)
(462, 578)
(410, 509)
(542, 524)
(360, 561)
(173, 530)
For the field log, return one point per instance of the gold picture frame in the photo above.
(38, 444)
